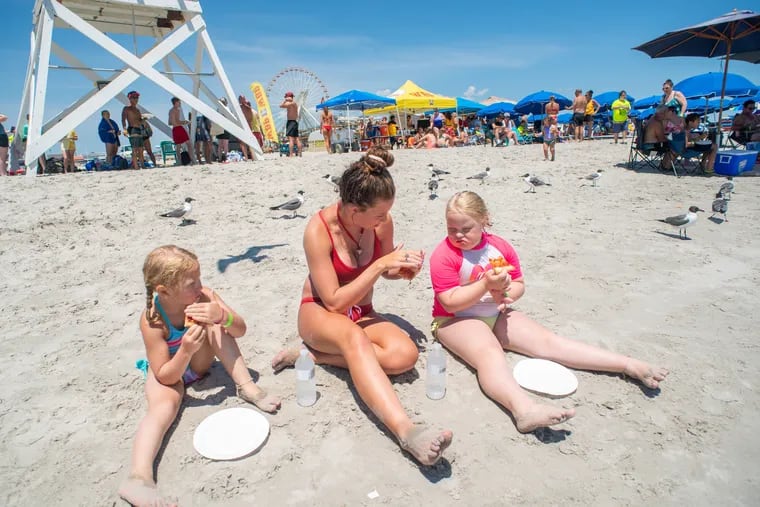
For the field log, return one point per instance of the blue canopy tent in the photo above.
(607, 98)
(356, 100)
(709, 85)
(535, 102)
(496, 109)
(647, 102)
(464, 106)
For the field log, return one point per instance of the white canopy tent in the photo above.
(168, 22)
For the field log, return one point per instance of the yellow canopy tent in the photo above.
(411, 98)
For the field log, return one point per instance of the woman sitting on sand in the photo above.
(472, 318)
(349, 246)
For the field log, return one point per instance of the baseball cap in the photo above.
(133, 93)
(289, 94)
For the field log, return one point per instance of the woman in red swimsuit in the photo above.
(349, 246)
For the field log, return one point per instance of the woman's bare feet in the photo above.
(143, 493)
(285, 358)
(252, 393)
(540, 416)
(650, 376)
(426, 445)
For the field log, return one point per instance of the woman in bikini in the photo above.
(327, 126)
(349, 246)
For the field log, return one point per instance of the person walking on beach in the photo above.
(327, 122)
(178, 123)
(247, 108)
(592, 107)
(4, 144)
(69, 148)
(620, 109)
(109, 133)
(147, 134)
(184, 326)
(579, 114)
(550, 135)
(349, 246)
(291, 127)
(476, 276)
(131, 121)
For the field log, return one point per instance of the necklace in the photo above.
(361, 233)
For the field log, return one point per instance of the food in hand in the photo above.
(189, 321)
(407, 273)
(499, 263)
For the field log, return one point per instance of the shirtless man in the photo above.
(131, 122)
(746, 125)
(654, 133)
(328, 122)
(552, 107)
(291, 128)
(177, 122)
(579, 114)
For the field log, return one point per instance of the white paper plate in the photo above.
(231, 433)
(545, 377)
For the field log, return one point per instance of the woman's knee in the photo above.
(400, 357)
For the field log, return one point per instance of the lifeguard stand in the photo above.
(168, 22)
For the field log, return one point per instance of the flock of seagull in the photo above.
(679, 222)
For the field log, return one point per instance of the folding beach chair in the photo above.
(526, 138)
(644, 154)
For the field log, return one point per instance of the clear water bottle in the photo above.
(435, 384)
(306, 384)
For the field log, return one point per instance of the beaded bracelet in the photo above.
(230, 317)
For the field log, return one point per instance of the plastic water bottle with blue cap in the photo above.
(306, 384)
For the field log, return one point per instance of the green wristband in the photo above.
(227, 324)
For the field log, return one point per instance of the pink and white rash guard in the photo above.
(451, 267)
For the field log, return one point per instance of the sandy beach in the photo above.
(598, 268)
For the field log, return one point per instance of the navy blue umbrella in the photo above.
(734, 32)
(496, 109)
(710, 85)
(534, 103)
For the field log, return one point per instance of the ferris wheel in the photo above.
(308, 91)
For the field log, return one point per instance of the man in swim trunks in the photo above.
(327, 121)
(291, 127)
(180, 136)
(579, 113)
(131, 122)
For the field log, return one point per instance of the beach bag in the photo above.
(185, 158)
(147, 131)
(120, 162)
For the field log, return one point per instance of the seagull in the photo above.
(480, 176)
(433, 186)
(335, 180)
(720, 205)
(181, 212)
(681, 222)
(291, 205)
(593, 177)
(534, 181)
(437, 172)
(727, 188)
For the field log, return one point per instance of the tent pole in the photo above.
(723, 92)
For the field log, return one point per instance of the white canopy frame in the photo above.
(169, 22)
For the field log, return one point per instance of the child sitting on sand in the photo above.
(472, 318)
(184, 326)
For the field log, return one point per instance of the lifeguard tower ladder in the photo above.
(168, 22)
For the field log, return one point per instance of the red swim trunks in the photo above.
(259, 138)
(180, 135)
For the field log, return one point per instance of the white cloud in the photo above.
(472, 92)
(384, 92)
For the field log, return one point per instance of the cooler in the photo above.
(734, 162)
(365, 144)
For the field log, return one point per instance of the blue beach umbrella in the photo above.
(647, 102)
(496, 109)
(706, 105)
(534, 103)
(607, 98)
(739, 101)
(644, 113)
(710, 84)
(564, 117)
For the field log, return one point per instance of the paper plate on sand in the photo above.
(546, 377)
(231, 433)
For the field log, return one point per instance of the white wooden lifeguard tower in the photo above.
(168, 22)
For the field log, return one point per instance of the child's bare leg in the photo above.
(473, 341)
(225, 347)
(163, 405)
(528, 337)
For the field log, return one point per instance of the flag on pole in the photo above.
(265, 113)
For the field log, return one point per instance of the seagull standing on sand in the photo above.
(681, 222)
(727, 188)
(433, 186)
(480, 176)
(181, 212)
(335, 180)
(720, 205)
(534, 181)
(437, 172)
(593, 177)
(291, 205)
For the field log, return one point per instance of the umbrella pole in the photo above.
(723, 92)
(350, 137)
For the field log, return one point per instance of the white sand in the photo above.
(597, 266)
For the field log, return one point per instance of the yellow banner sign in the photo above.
(265, 113)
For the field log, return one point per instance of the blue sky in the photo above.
(507, 49)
